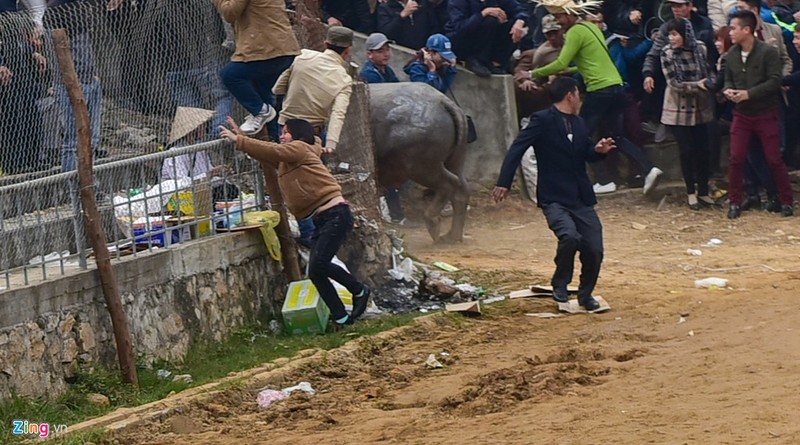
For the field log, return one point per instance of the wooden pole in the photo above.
(108, 279)
(291, 263)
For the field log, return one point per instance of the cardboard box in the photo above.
(304, 312)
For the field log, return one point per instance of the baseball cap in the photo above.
(549, 23)
(680, 2)
(441, 45)
(340, 36)
(375, 41)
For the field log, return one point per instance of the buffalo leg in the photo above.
(460, 199)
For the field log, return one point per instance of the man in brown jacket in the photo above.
(753, 83)
(311, 191)
(265, 47)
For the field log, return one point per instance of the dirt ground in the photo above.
(634, 375)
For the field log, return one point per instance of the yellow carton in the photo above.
(304, 311)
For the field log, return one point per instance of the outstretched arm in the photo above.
(526, 138)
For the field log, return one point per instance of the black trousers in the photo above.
(332, 226)
(578, 230)
(694, 153)
(607, 106)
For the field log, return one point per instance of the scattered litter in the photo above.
(774, 435)
(691, 333)
(403, 271)
(444, 266)
(302, 386)
(275, 327)
(780, 232)
(493, 299)
(545, 315)
(468, 308)
(573, 307)
(444, 354)
(423, 310)
(711, 283)
(433, 363)
(49, 258)
(546, 288)
(694, 252)
(682, 320)
(637, 226)
(714, 242)
(268, 396)
(684, 314)
(163, 374)
(361, 177)
(183, 378)
(662, 203)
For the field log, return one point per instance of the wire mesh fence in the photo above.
(139, 63)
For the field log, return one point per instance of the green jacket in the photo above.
(585, 45)
(760, 76)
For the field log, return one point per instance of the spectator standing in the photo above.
(484, 33)
(410, 22)
(265, 47)
(435, 64)
(605, 93)
(77, 18)
(688, 107)
(530, 98)
(753, 83)
(719, 11)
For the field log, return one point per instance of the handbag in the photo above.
(472, 133)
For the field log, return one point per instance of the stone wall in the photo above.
(199, 291)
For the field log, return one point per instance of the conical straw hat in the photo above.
(186, 120)
(572, 7)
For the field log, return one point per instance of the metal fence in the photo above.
(42, 222)
(138, 61)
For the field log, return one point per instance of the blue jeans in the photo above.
(94, 101)
(332, 228)
(251, 82)
(201, 88)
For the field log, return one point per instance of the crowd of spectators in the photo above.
(667, 67)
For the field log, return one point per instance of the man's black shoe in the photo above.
(560, 295)
(360, 303)
(498, 70)
(787, 210)
(774, 205)
(752, 202)
(589, 303)
(478, 68)
(734, 212)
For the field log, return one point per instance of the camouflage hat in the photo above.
(340, 36)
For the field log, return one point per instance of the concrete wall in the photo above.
(198, 291)
(490, 102)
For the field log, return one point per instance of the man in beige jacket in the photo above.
(265, 47)
(317, 86)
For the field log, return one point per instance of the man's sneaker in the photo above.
(254, 124)
(560, 295)
(661, 134)
(604, 188)
(589, 303)
(787, 210)
(360, 303)
(651, 180)
(649, 127)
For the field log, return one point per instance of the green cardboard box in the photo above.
(303, 311)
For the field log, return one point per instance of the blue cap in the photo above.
(441, 45)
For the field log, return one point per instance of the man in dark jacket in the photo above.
(753, 82)
(561, 141)
(484, 33)
(354, 14)
(410, 22)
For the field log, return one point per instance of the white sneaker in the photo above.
(651, 180)
(605, 188)
(650, 127)
(254, 124)
(661, 134)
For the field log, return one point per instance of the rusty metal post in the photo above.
(94, 228)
